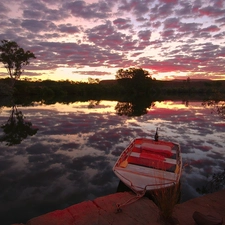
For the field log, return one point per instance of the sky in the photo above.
(77, 40)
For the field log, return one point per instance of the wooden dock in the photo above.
(103, 211)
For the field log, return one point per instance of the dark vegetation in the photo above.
(122, 89)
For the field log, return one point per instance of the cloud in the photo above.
(68, 28)
(163, 66)
(38, 26)
(82, 9)
(169, 1)
(72, 54)
(91, 73)
(188, 28)
(211, 11)
(116, 34)
(3, 9)
(221, 20)
(171, 23)
(144, 35)
(212, 28)
(122, 24)
(106, 36)
(185, 9)
(161, 11)
(32, 14)
(38, 149)
(137, 7)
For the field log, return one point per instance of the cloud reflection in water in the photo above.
(71, 157)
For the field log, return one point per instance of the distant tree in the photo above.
(133, 73)
(135, 81)
(14, 58)
(93, 81)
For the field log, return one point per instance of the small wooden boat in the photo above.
(147, 165)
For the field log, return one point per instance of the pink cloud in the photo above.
(212, 28)
(171, 23)
(68, 28)
(91, 73)
(167, 33)
(169, 1)
(122, 24)
(166, 66)
(211, 11)
(144, 35)
(218, 3)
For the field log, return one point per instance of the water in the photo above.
(70, 158)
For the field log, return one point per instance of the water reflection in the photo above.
(93, 103)
(214, 183)
(136, 107)
(16, 128)
(216, 106)
(70, 158)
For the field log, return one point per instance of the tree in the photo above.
(133, 73)
(14, 58)
(135, 81)
(93, 81)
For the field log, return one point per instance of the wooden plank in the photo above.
(148, 172)
(167, 160)
(159, 147)
(139, 146)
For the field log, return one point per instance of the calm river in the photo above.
(71, 156)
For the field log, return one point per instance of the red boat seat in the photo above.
(150, 160)
(163, 150)
(136, 149)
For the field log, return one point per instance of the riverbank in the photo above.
(103, 210)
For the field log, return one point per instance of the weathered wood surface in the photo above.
(102, 211)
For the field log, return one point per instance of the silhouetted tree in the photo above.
(132, 73)
(135, 81)
(93, 81)
(14, 58)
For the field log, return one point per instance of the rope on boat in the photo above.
(131, 200)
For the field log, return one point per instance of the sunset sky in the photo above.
(75, 40)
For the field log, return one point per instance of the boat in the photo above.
(149, 164)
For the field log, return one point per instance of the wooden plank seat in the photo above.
(137, 148)
(148, 172)
(163, 150)
(151, 160)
